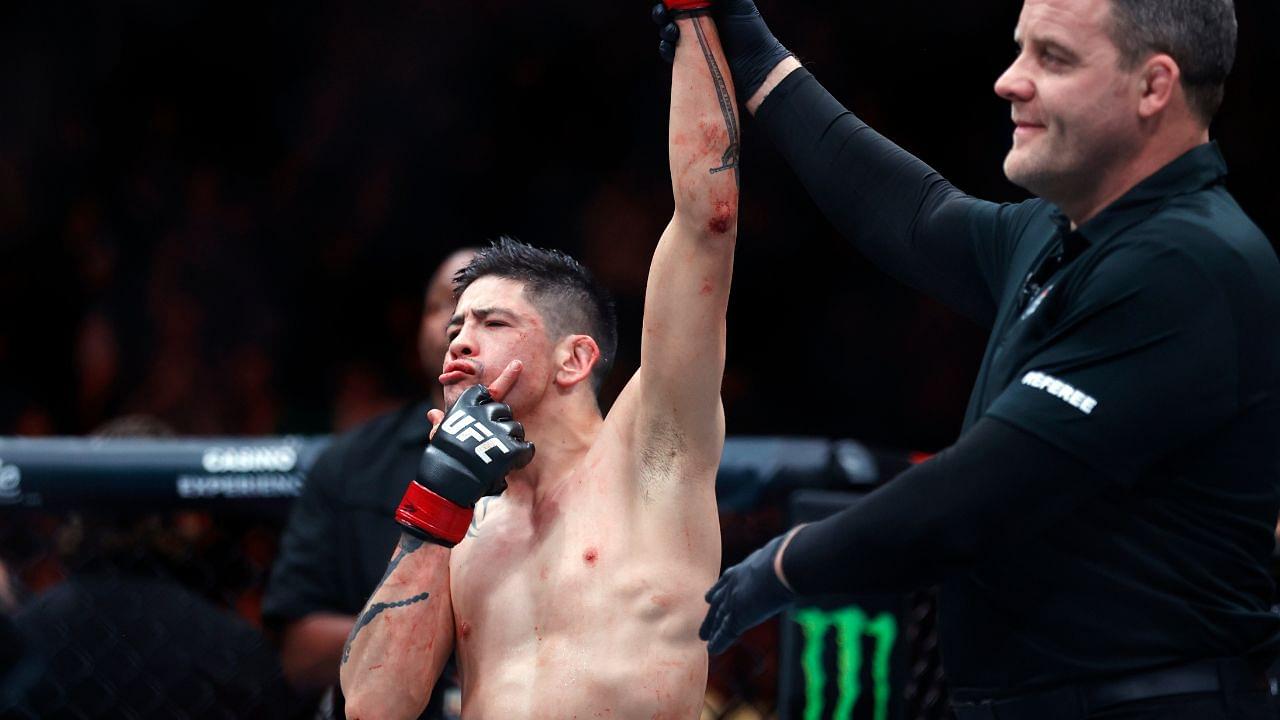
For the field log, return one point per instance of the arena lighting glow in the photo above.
(851, 625)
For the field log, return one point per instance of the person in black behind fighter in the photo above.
(335, 547)
(1102, 526)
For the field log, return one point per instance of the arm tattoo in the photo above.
(408, 544)
(728, 161)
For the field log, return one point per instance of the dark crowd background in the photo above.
(222, 214)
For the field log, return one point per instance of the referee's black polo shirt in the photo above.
(1147, 368)
(1154, 358)
(341, 530)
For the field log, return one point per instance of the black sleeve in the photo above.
(303, 578)
(899, 212)
(996, 486)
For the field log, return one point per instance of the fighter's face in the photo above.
(1074, 108)
(492, 325)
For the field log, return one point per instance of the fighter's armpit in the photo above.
(662, 448)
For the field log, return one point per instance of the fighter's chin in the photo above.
(453, 392)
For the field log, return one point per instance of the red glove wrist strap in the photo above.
(685, 6)
(422, 509)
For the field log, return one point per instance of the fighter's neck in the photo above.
(562, 440)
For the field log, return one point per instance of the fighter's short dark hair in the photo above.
(560, 287)
(1200, 35)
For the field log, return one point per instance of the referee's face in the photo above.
(1074, 108)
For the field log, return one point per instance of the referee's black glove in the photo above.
(745, 596)
(749, 46)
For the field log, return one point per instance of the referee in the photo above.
(1102, 527)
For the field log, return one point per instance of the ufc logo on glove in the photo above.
(466, 428)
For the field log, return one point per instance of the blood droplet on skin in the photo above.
(706, 287)
(721, 217)
(590, 556)
(464, 630)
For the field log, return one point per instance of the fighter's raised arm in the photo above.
(899, 212)
(683, 344)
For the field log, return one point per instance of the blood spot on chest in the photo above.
(464, 630)
(590, 556)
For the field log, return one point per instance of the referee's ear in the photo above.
(1160, 85)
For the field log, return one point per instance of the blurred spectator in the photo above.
(122, 637)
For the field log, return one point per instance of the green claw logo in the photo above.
(851, 625)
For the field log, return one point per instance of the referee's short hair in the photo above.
(1200, 35)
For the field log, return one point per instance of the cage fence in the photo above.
(142, 611)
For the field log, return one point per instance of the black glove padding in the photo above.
(746, 595)
(749, 46)
(476, 446)
(469, 457)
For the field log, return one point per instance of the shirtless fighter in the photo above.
(577, 592)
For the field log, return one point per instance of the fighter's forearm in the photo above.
(403, 636)
(704, 136)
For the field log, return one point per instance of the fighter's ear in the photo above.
(1160, 78)
(576, 357)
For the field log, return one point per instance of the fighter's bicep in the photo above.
(672, 454)
(682, 346)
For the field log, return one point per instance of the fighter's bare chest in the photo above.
(514, 560)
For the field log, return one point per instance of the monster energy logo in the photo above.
(851, 625)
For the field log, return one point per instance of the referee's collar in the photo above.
(414, 427)
(1196, 169)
